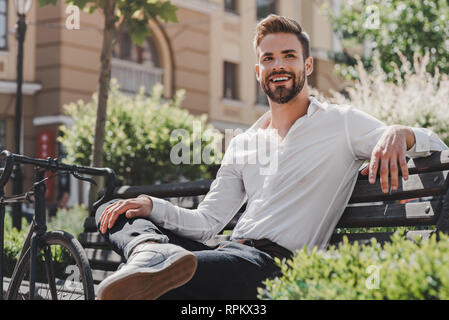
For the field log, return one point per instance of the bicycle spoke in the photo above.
(50, 272)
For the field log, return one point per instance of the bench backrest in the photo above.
(427, 185)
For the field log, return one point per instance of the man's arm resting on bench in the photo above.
(391, 149)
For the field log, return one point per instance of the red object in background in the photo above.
(45, 149)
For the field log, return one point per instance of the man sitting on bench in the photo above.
(293, 202)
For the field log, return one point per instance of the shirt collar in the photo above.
(314, 106)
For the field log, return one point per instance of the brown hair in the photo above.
(279, 24)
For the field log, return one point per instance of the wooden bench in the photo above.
(428, 186)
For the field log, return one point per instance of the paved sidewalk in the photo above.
(42, 292)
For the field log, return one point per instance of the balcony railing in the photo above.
(131, 76)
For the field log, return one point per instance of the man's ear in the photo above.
(257, 69)
(309, 66)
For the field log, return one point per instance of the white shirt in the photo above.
(297, 198)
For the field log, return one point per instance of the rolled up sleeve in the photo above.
(364, 131)
(426, 142)
(225, 197)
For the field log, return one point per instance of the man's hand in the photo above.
(132, 208)
(388, 152)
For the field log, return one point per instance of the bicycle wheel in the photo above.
(63, 271)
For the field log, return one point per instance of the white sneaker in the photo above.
(151, 270)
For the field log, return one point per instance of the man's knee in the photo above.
(101, 209)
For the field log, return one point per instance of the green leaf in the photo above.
(168, 12)
(138, 31)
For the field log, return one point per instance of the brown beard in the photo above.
(281, 94)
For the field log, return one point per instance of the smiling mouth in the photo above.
(280, 79)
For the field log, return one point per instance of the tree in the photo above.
(391, 26)
(135, 15)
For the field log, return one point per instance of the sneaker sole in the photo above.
(149, 284)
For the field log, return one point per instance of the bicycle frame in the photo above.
(38, 225)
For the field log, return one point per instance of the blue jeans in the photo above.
(230, 271)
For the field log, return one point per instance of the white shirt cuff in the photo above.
(158, 214)
(422, 143)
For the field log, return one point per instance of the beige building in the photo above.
(208, 53)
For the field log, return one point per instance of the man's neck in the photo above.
(283, 116)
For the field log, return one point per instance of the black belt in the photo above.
(268, 246)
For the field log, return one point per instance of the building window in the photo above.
(146, 54)
(231, 6)
(230, 81)
(262, 99)
(265, 8)
(3, 24)
(135, 66)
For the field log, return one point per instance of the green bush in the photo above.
(14, 240)
(406, 270)
(138, 137)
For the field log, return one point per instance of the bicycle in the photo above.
(67, 273)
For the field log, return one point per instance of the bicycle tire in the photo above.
(73, 286)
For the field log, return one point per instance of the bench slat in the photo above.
(381, 237)
(102, 256)
(169, 190)
(88, 239)
(362, 238)
(438, 161)
(409, 214)
(418, 185)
